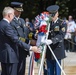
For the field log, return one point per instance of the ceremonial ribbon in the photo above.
(31, 64)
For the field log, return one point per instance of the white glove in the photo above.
(48, 42)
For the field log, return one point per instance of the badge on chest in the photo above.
(56, 28)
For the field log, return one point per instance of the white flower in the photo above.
(46, 18)
(43, 23)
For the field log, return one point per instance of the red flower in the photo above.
(43, 29)
(37, 55)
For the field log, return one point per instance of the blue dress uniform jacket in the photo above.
(19, 26)
(57, 34)
(21, 31)
(9, 43)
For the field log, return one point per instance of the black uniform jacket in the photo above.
(57, 34)
(9, 43)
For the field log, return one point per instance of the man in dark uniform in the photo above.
(22, 32)
(56, 41)
(9, 42)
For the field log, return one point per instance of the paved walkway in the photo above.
(69, 64)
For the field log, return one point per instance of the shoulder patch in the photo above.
(63, 29)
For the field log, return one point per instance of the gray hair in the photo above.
(7, 10)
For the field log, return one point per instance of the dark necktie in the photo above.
(52, 23)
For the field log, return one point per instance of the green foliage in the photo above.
(35, 7)
(64, 10)
(31, 8)
(3, 3)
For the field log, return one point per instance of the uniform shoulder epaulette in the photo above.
(60, 21)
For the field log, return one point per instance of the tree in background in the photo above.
(35, 7)
(64, 9)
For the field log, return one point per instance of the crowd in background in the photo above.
(70, 37)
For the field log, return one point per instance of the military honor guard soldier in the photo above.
(56, 41)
